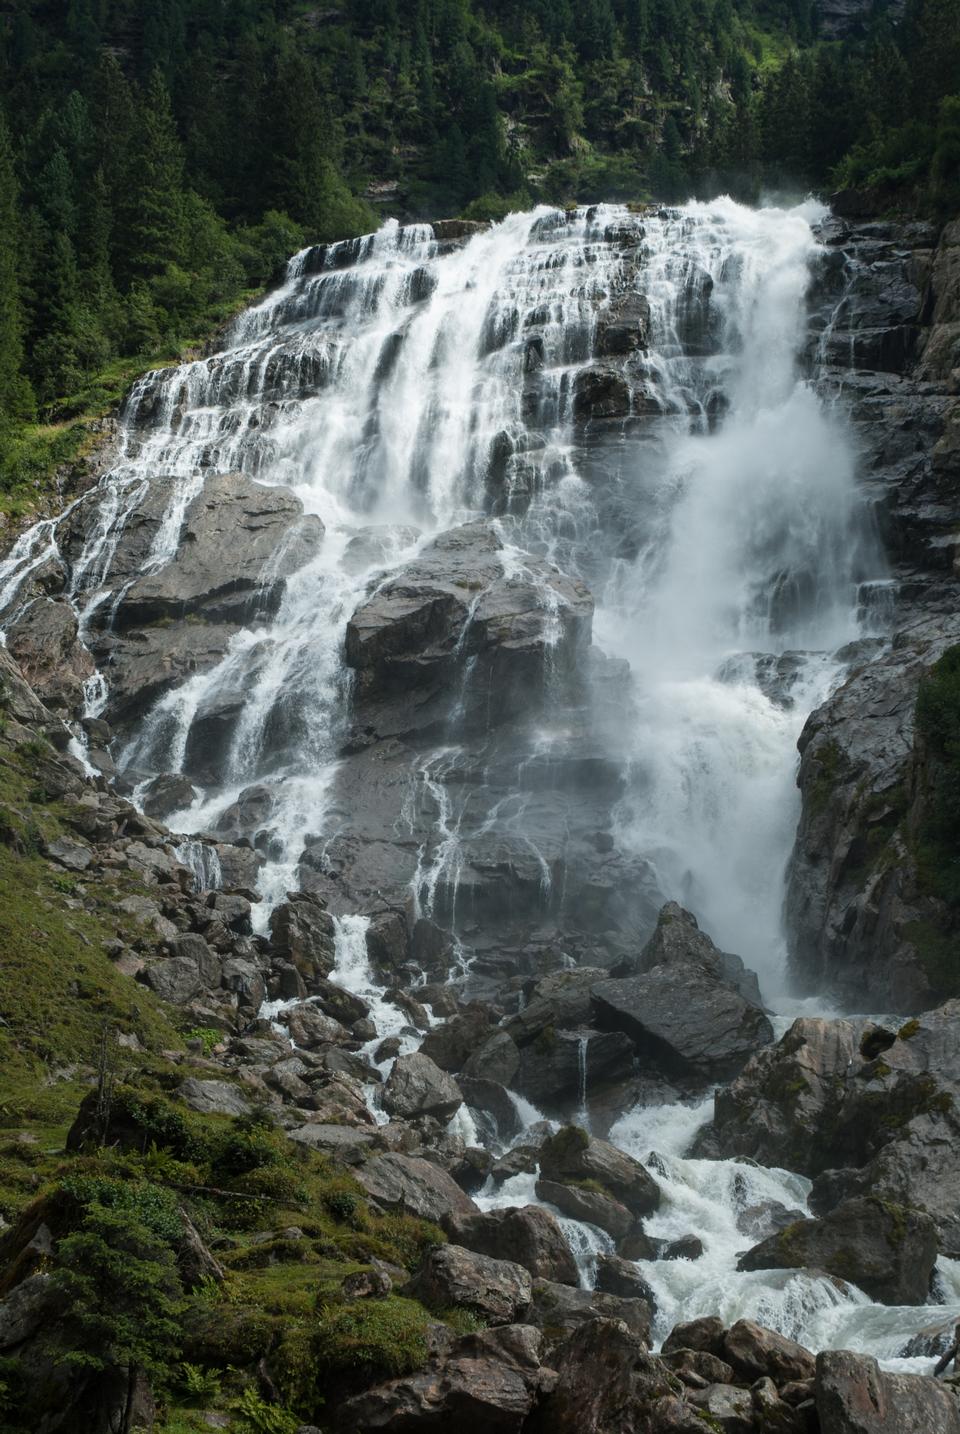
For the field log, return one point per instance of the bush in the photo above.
(385, 1337)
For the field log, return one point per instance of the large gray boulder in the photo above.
(889, 1251)
(678, 940)
(416, 1186)
(499, 1291)
(684, 1020)
(487, 1383)
(853, 1396)
(416, 1086)
(559, 1310)
(573, 1157)
(526, 1235)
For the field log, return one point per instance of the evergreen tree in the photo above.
(154, 229)
(15, 397)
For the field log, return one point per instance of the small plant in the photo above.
(208, 1036)
(201, 1386)
(342, 1205)
(255, 1416)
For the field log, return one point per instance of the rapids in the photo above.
(720, 529)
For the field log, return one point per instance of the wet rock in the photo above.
(405, 1182)
(167, 793)
(486, 1384)
(781, 1105)
(616, 1276)
(683, 1020)
(495, 1060)
(416, 1086)
(455, 603)
(853, 1396)
(498, 1291)
(571, 1155)
(623, 327)
(239, 541)
(592, 1206)
(559, 1310)
(688, 1247)
(887, 1250)
(600, 393)
(678, 940)
(492, 1100)
(526, 1235)
(450, 1045)
(557, 1064)
(755, 1351)
(302, 932)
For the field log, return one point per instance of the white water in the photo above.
(378, 384)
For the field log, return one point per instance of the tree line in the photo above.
(159, 158)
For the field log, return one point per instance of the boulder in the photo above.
(496, 1059)
(887, 1250)
(755, 1351)
(167, 793)
(608, 1384)
(559, 1310)
(491, 1099)
(573, 1156)
(486, 1384)
(499, 1291)
(25, 1310)
(678, 940)
(310, 1029)
(590, 1205)
(560, 1064)
(526, 1235)
(853, 1396)
(616, 1276)
(416, 1086)
(782, 1105)
(213, 1097)
(418, 1187)
(684, 1021)
(450, 1044)
(343, 1143)
(176, 979)
(724, 1408)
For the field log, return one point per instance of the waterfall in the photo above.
(621, 397)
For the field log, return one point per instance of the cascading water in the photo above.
(400, 386)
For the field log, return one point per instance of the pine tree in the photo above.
(155, 221)
(16, 400)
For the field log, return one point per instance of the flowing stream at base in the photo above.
(719, 527)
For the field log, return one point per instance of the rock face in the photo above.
(887, 1250)
(185, 587)
(459, 599)
(861, 914)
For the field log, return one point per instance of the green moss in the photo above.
(908, 1029)
(387, 1337)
